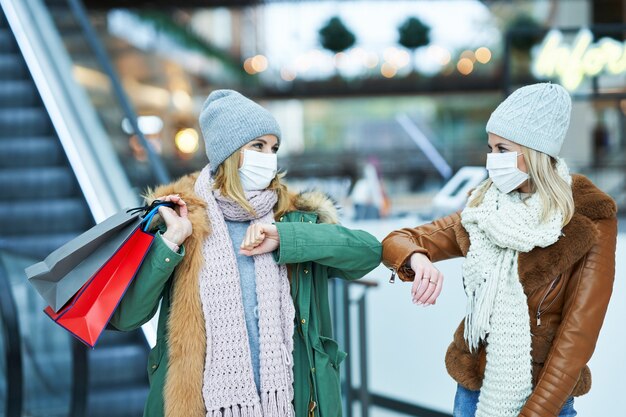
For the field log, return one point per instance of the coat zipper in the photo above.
(392, 280)
(539, 310)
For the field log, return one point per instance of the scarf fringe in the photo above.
(480, 305)
(277, 404)
(237, 411)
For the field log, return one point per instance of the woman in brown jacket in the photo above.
(539, 245)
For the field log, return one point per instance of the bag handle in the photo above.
(150, 211)
(148, 218)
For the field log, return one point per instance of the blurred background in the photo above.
(383, 105)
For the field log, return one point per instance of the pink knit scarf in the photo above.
(229, 389)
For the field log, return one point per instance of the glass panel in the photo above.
(46, 349)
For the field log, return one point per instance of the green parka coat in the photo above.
(314, 247)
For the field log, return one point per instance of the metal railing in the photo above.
(343, 318)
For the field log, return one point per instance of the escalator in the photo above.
(55, 187)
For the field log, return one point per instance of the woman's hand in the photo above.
(428, 280)
(178, 225)
(260, 238)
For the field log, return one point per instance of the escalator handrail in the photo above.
(79, 12)
(156, 164)
(13, 347)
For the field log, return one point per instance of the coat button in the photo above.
(154, 366)
(313, 370)
(306, 271)
(167, 259)
(303, 321)
(281, 218)
(310, 221)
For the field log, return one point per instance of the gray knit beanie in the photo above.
(536, 116)
(229, 120)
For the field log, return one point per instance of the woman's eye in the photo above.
(275, 150)
(258, 145)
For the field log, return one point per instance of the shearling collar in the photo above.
(316, 202)
(541, 265)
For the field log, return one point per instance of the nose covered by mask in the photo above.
(503, 171)
(258, 170)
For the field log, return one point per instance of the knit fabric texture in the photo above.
(229, 388)
(245, 265)
(536, 116)
(501, 227)
(229, 120)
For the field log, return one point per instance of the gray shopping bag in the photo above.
(59, 277)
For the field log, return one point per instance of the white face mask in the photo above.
(258, 170)
(503, 171)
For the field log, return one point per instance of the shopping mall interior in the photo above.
(100, 99)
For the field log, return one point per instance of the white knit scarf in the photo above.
(501, 227)
(229, 389)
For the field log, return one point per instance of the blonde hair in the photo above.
(228, 183)
(555, 192)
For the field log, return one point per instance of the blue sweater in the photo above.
(245, 264)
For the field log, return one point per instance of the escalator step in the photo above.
(35, 246)
(39, 183)
(119, 403)
(20, 218)
(7, 42)
(31, 152)
(13, 67)
(18, 94)
(24, 122)
(118, 366)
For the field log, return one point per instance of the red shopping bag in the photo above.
(89, 311)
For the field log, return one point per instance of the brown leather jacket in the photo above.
(568, 286)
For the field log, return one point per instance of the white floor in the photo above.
(407, 343)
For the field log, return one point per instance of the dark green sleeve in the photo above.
(347, 253)
(141, 300)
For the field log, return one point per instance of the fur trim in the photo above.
(465, 367)
(590, 201)
(542, 265)
(317, 202)
(584, 383)
(186, 331)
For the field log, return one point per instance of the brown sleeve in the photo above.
(587, 298)
(437, 240)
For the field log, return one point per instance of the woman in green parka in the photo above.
(240, 270)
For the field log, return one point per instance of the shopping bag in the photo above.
(91, 308)
(58, 277)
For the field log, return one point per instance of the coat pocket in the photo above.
(327, 358)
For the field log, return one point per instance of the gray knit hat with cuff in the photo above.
(536, 116)
(229, 120)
